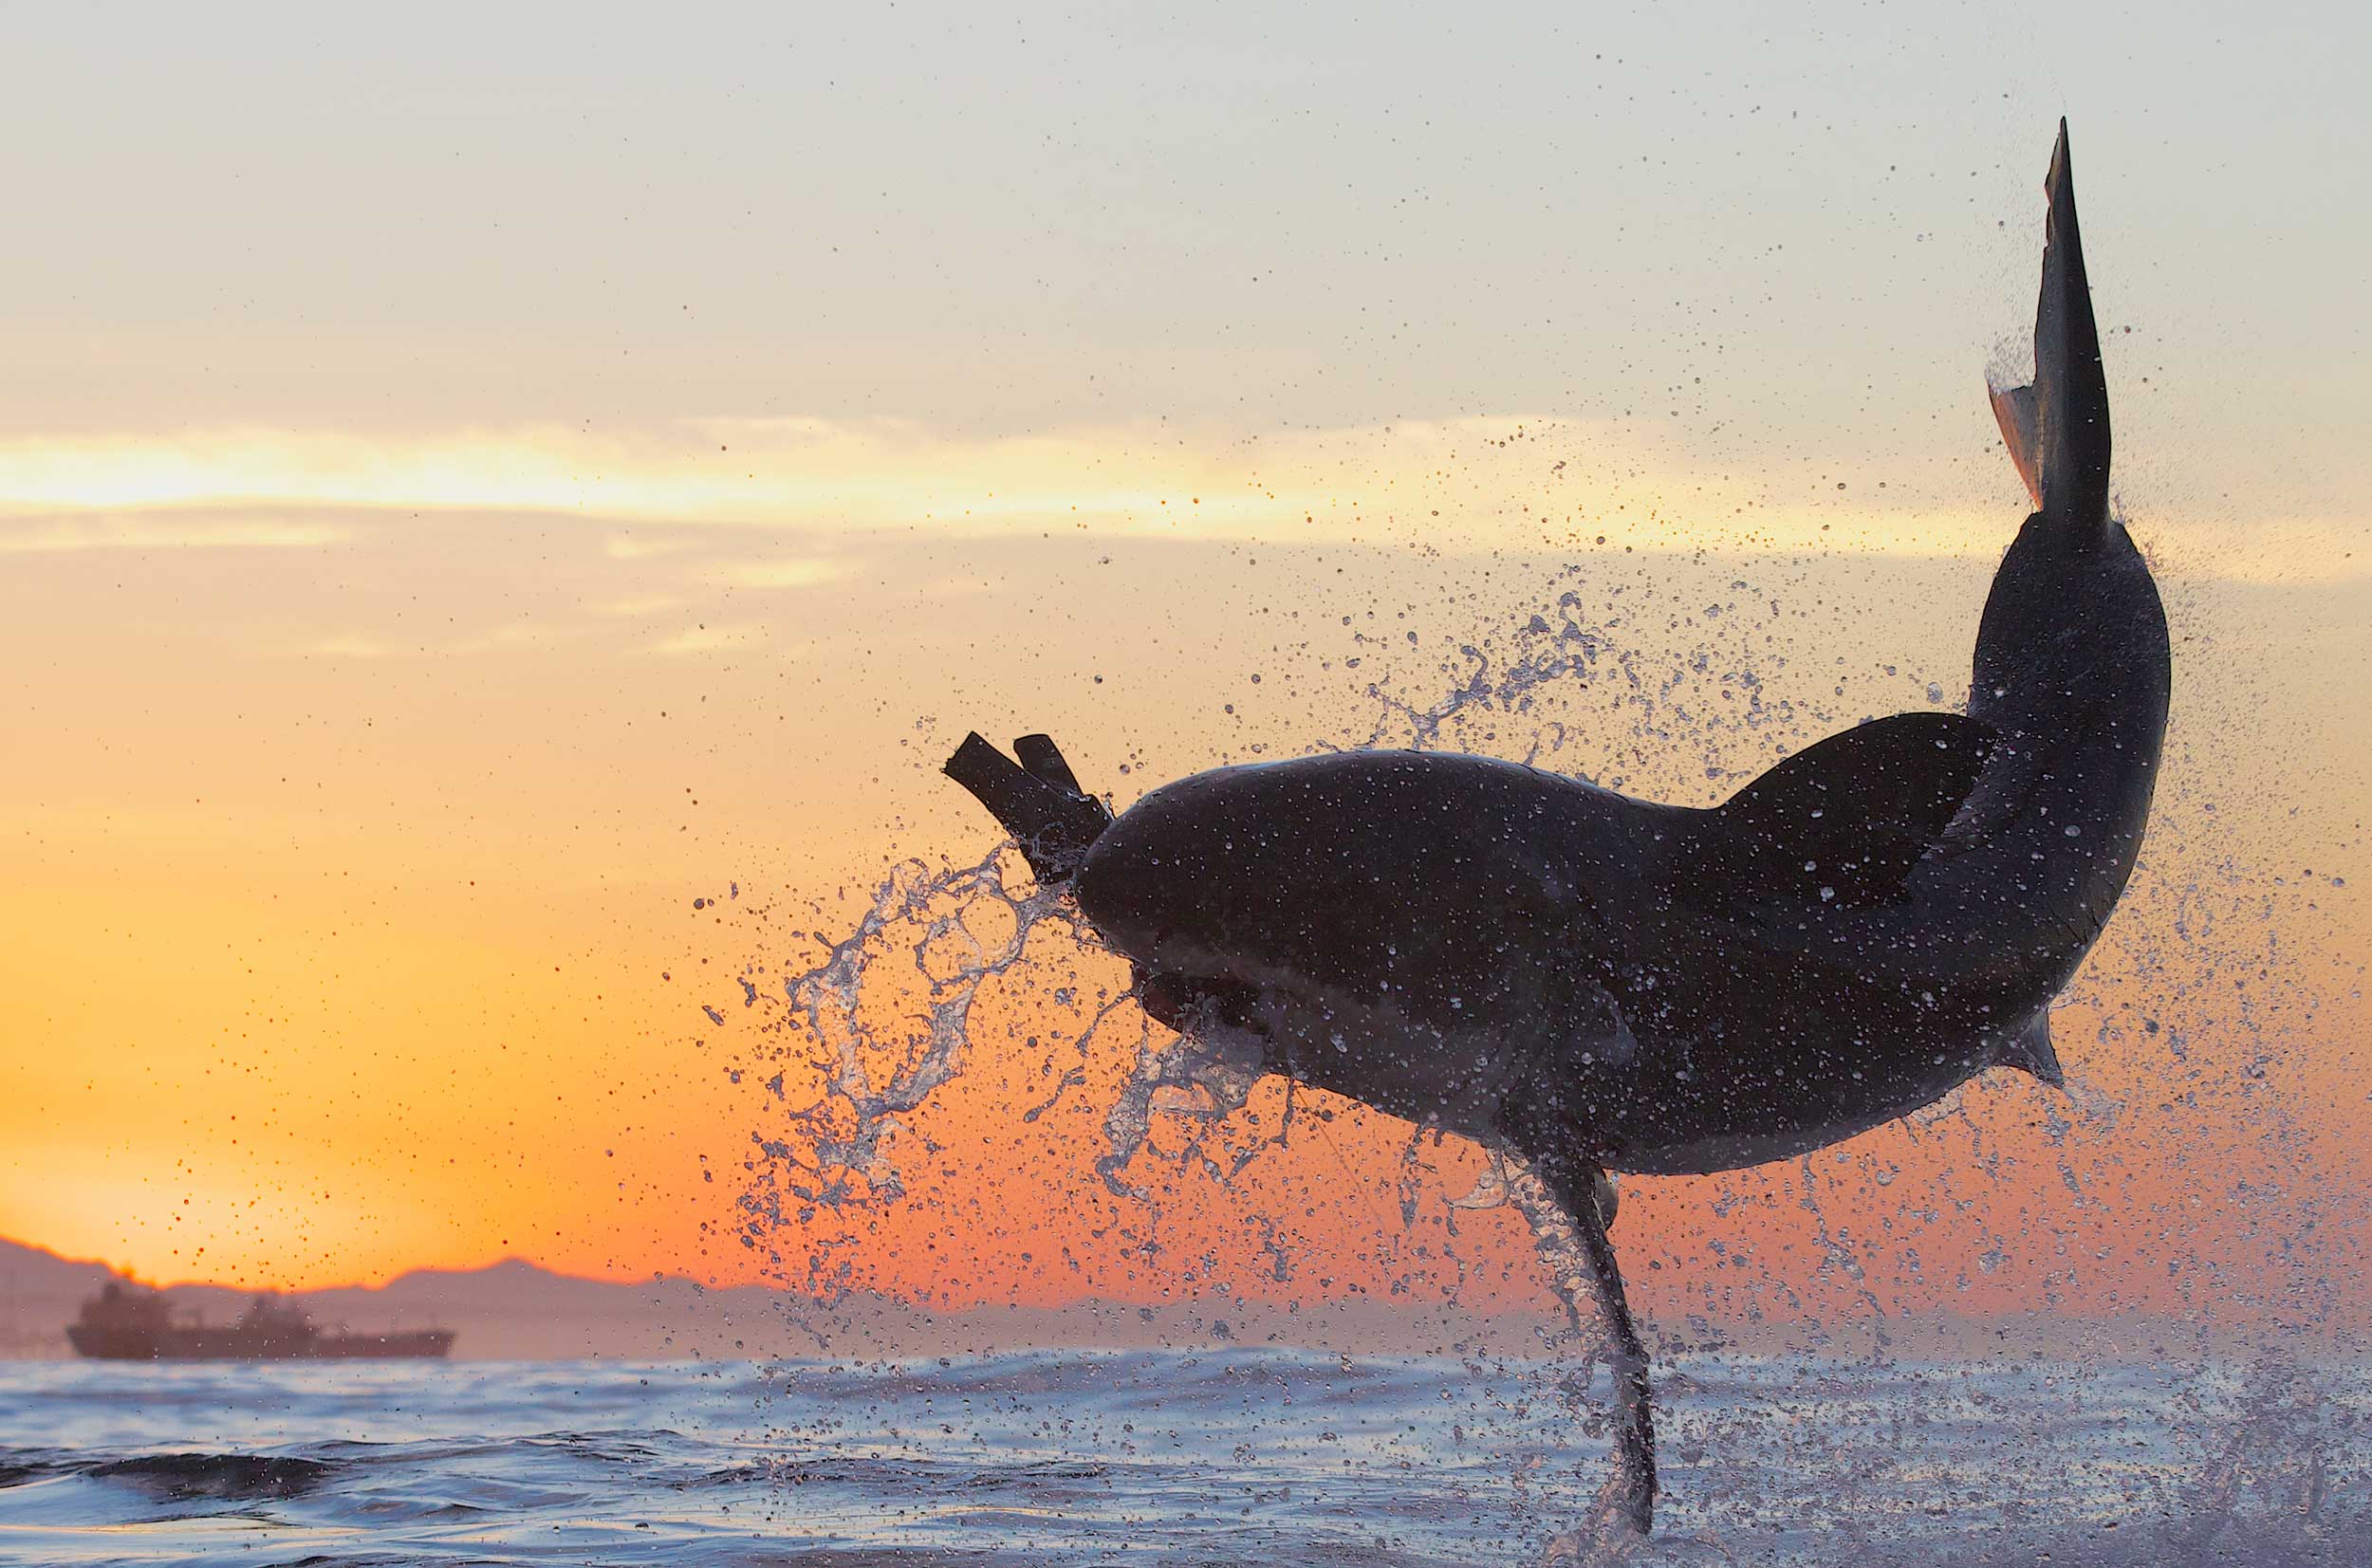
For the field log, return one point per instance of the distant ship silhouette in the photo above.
(132, 1323)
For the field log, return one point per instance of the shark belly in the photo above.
(1360, 1047)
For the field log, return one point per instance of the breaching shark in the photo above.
(1590, 982)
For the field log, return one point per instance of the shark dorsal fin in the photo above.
(1842, 821)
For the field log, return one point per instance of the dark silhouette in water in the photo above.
(1591, 982)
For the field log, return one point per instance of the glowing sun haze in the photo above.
(470, 488)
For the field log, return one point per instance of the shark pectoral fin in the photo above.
(1567, 1217)
(1841, 823)
(2029, 1051)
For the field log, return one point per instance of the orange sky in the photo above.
(536, 494)
(347, 961)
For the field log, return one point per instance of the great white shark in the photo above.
(1592, 983)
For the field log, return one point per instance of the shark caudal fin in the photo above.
(2057, 428)
(1842, 822)
(1037, 799)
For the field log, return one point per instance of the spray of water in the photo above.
(957, 930)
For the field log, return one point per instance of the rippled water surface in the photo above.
(1171, 1458)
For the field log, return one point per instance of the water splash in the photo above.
(1205, 1074)
(875, 1072)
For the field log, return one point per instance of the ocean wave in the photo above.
(1177, 1458)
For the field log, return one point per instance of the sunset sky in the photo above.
(502, 519)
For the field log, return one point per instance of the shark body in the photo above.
(1595, 983)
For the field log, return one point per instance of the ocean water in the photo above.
(1238, 1456)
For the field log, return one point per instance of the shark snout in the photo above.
(1138, 898)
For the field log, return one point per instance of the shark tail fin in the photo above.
(1037, 799)
(2057, 428)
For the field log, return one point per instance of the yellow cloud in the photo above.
(1476, 483)
(636, 607)
(706, 638)
(627, 547)
(354, 645)
(105, 532)
(796, 572)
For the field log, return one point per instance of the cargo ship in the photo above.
(127, 1323)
